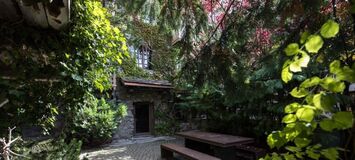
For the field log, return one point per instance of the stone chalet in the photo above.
(143, 98)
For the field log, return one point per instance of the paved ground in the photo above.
(139, 148)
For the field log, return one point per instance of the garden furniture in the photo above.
(220, 145)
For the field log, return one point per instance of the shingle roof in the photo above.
(137, 82)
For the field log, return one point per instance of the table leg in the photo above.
(166, 154)
(228, 153)
(199, 146)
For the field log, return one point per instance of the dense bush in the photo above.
(96, 121)
(167, 124)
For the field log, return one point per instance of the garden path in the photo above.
(137, 148)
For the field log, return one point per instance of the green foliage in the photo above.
(314, 43)
(52, 149)
(163, 58)
(320, 98)
(167, 123)
(96, 120)
(329, 29)
(93, 40)
(48, 72)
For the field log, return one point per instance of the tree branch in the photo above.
(3, 103)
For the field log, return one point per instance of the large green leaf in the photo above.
(304, 60)
(293, 148)
(323, 101)
(292, 130)
(312, 154)
(305, 114)
(286, 75)
(314, 43)
(332, 84)
(330, 153)
(302, 142)
(327, 125)
(276, 139)
(329, 29)
(343, 120)
(334, 67)
(299, 92)
(291, 49)
(290, 118)
(293, 107)
(295, 66)
(289, 157)
(310, 82)
(347, 74)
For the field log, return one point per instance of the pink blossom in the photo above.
(263, 36)
(246, 4)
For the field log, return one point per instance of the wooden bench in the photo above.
(167, 151)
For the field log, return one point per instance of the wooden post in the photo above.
(166, 154)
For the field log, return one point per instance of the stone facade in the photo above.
(158, 98)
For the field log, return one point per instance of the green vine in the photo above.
(46, 73)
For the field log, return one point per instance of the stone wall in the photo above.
(129, 95)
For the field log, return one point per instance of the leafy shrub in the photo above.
(95, 121)
(166, 125)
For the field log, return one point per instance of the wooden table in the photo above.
(219, 145)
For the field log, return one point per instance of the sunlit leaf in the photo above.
(314, 43)
(291, 108)
(299, 92)
(305, 114)
(295, 66)
(290, 118)
(310, 82)
(332, 84)
(329, 29)
(276, 139)
(286, 75)
(291, 49)
(304, 60)
(323, 101)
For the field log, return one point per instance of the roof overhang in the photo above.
(158, 84)
(52, 14)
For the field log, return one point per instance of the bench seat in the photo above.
(168, 149)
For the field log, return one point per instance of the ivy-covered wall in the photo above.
(45, 73)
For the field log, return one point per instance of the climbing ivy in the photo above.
(96, 47)
(46, 73)
(318, 108)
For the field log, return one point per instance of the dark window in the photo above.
(144, 56)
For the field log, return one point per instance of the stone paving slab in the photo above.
(141, 148)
